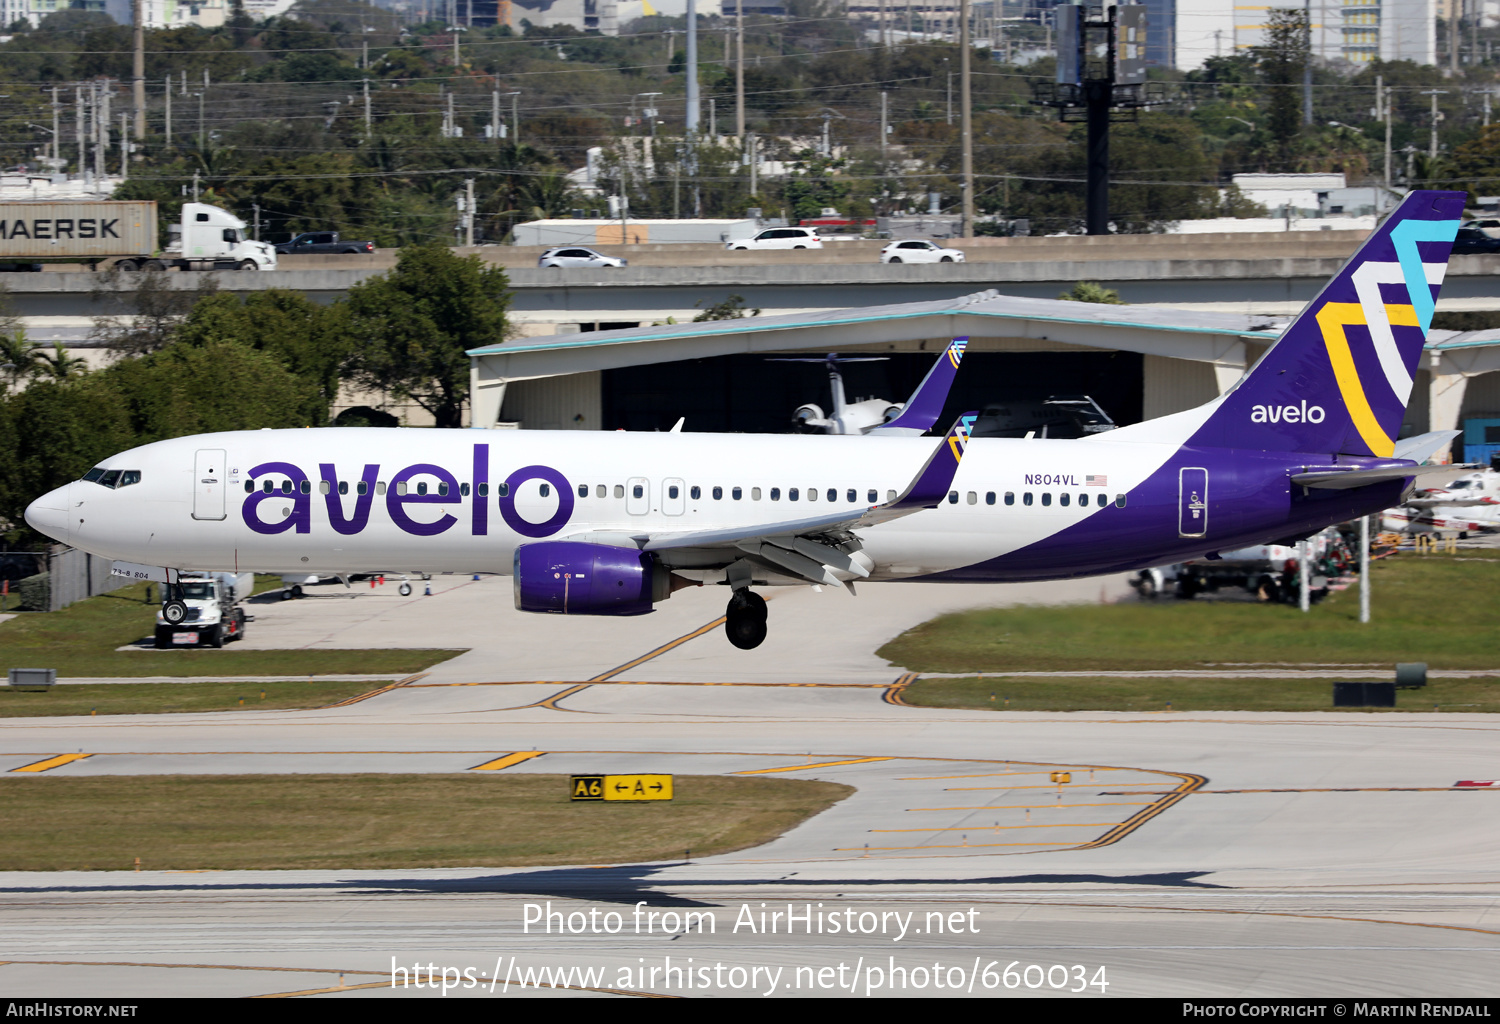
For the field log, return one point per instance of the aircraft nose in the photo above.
(49, 514)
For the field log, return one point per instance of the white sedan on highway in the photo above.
(913, 250)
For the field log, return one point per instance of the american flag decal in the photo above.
(1095, 481)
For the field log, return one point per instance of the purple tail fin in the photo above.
(926, 403)
(1340, 377)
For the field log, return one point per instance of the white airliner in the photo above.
(607, 523)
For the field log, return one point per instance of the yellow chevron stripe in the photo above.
(1402, 315)
(1332, 319)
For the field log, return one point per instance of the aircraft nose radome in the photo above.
(49, 514)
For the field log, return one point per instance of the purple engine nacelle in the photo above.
(574, 578)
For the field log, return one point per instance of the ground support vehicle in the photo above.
(203, 610)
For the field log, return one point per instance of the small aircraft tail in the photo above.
(926, 403)
(1340, 377)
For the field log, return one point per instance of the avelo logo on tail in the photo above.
(1287, 413)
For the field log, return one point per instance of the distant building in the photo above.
(1185, 33)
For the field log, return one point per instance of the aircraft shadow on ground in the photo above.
(625, 884)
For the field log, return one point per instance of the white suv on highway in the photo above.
(780, 238)
(577, 256)
(914, 250)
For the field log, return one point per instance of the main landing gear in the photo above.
(745, 619)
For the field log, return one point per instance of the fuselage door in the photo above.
(673, 496)
(1192, 502)
(208, 484)
(638, 496)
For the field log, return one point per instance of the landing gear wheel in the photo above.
(175, 612)
(745, 620)
(404, 590)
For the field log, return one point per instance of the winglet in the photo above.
(926, 403)
(932, 484)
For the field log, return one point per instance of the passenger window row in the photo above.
(123, 478)
(1064, 498)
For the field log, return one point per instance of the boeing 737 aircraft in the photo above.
(608, 523)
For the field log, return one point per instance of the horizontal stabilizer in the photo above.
(1343, 480)
(1418, 448)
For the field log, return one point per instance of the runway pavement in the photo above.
(1229, 854)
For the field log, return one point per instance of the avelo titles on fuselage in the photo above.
(612, 522)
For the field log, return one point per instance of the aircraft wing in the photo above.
(926, 403)
(1340, 480)
(812, 548)
(1450, 502)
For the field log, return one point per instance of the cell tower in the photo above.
(1101, 77)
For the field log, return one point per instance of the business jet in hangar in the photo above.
(610, 523)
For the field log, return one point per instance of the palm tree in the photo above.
(58, 364)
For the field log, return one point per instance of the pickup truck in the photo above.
(310, 242)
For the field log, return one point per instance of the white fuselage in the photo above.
(191, 508)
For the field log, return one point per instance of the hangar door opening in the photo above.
(751, 394)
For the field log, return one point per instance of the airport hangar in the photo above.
(1138, 362)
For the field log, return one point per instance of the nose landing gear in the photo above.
(745, 619)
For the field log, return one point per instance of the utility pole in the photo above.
(101, 129)
(691, 120)
(495, 115)
(739, 70)
(469, 212)
(1307, 62)
(713, 123)
(256, 222)
(754, 164)
(139, 67)
(80, 125)
(1432, 145)
(195, 186)
(57, 130)
(202, 136)
(1387, 110)
(884, 98)
(367, 107)
(515, 121)
(966, 117)
(950, 94)
(167, 127)
(124, 144)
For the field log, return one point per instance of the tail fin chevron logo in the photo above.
(956, 350)
(1342, 374)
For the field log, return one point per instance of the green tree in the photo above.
(1282, 59)
(309, 341)
(413, 325)
(1089, 291)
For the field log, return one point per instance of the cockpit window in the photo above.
(112, 477)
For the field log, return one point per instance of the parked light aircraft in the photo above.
(607, 523)
(876, 415)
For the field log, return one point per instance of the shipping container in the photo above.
(84, 230)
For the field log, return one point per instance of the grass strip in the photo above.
(274, 822)
(159, 698)
(1002, 693)
(1440, 609)
(81, 639)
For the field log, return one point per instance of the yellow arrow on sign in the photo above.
(637, 787)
